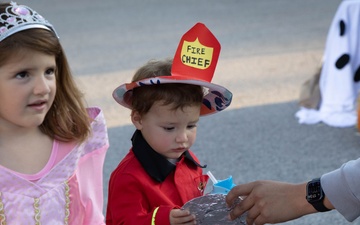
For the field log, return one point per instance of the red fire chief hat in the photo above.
(194, 63)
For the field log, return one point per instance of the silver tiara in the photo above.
(20, 17)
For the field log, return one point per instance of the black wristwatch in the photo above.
(315, 195)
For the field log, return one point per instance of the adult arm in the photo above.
(271, 202)
(342, 188)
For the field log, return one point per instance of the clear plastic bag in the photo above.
(211, 209)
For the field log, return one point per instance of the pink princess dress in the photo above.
(68, 190)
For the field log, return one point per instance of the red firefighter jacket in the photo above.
(146, 186)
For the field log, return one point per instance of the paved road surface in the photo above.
(269, 48)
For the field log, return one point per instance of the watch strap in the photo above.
(319, 206)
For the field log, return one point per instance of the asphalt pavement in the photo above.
(269, 48)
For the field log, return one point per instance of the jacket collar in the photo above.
(156, 165)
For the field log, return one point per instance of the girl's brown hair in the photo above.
(174, 94)
(67, 119)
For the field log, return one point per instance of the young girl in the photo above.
(160, 173)
(52, 148)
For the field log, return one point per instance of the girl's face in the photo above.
(27, 89)
(169, 132)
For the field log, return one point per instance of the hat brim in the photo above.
(216, 97)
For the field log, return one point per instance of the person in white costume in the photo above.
(340, 73)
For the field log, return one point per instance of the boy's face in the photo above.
(169, 132)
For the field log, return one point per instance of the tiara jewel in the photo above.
(20, 17)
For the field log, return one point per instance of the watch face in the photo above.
(314, 192)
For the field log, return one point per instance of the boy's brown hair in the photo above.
(176, 94)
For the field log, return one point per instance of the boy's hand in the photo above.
(179, 216)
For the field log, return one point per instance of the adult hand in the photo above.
(269, 202)
(183, 217)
